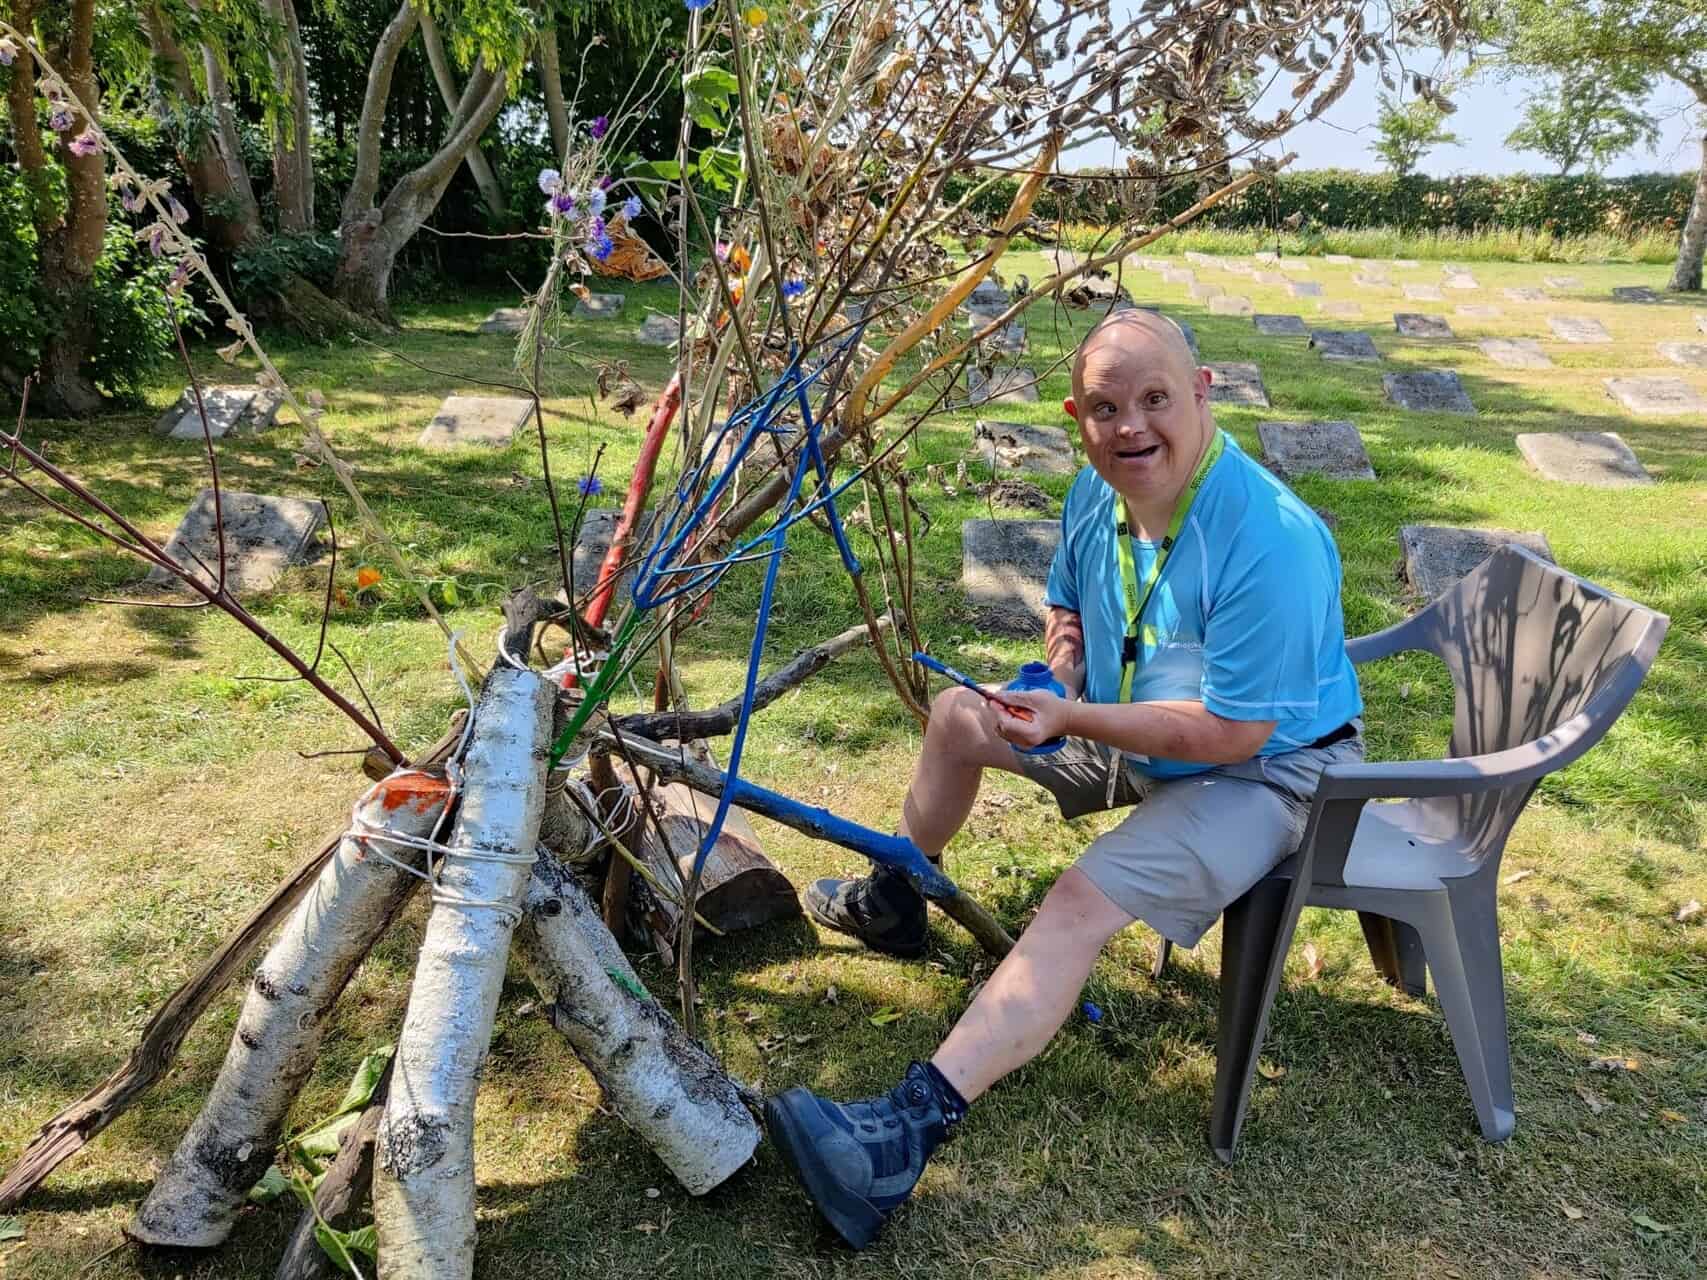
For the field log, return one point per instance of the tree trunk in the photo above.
(662, 1084)
(293, 135)
(1686, 275)
(551, 81)
(195, 1200)
(482, 173)
(424, 1167)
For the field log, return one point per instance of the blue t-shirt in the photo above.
(1244, 619)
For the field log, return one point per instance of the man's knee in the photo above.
(962, 726)
(1076, 908)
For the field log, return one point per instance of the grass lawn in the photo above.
(153, 799)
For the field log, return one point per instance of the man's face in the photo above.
(1143, 411)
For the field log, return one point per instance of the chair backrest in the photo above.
(1530, 646)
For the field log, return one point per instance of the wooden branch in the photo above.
(685, 726)
(348, 1181)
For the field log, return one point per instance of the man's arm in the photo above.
(1171, 730)
(1064, 648)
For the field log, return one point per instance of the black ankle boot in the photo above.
(882, 910)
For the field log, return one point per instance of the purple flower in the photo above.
(589, 486)
(596, 201)
(550, 181)
(793, 288)
(84, 144)
(130, 198)
(60, 120)
(599, 247)
(157, 239)
(606, 182)
(180, 215)
(8, 51)
(722, 250)
(631, 208)
(562, 203)
(180, 278)
(595, 227)
(599, 127)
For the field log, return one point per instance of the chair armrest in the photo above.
(1395, 639)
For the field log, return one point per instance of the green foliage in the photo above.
(1588, 119)
(261, 269)
(1409, 131)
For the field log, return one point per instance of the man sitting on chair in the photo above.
(1194, 623)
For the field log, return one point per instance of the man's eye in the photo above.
(1156, 399)
(1105, 410)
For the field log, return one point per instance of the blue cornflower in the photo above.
(600, 247)
(550, 181)
(595, 227)
(596, 201)
(589, 486)
(1092, 1013)
(599, 127)
(793, 288)
(562, 203)
(631, 208)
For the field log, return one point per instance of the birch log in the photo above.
(196, 1198)
(423, 1186)
(663, 1084)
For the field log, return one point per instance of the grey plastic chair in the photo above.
(1542, 663)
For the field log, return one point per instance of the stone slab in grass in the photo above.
(1561, 283)
(1009, 340)
(243, 406)
(1304, 289)
(1366, 280)
(1340, 310)
(1515, 353)
(1427, 391)
(1406, 263)
(1459, 280)
(1423, 293)
(1004, 567)
(1297, 266)
(491, 421)
(1020, 447)
(657, 330)
(1146, 263)
(1525, 294)
(1598, 458)
(1437, 556)
(600, 306)
(1237, 382)
(1477, 311)
(1272, 277)
(1201, 292)
(1266, 255)
(1656, 397)
(1012, 385)
(1332, 449)
(1280, 326)
(1634, 293)
(1691, 355)
(1231, 304)
(1339, 259)
(1580, 329)
(505, 320)
(264, 536)
(1178, 275)
(1343, 344)
(1413, 325)
(1200, 259)
(987, 295)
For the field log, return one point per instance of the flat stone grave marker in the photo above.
(1366, 280)
(1280, 326)
(505, 320)
(1266, 256)
(1198, 259)
(1009, 340)
(1598, 458)
(1412, 325)
(1012, 385)
(485, 420)
(600, 305)
(1525, 294)
(1515, 353)
(1238, 382)
(1423, 293)
(1341, 310)
(1578, 329)
(1304, 289)
(1428, 391)
(264, 536)
(1007, 447)
(1656, 396)
(987, 295)
(1299, 266)
(1437, 556)
(1230, 304)
(1340, 259)
(1476, 311)
(1178, 275)
(229, 408)
(597, 528)
(1561, 282)
(1148, 263)
(1691, 355)
(1201, 292)
(1460, 280)
(1332, 449)
(1272, 277)
(1343, 344)
(1004, 568)
(1634, 293)
(1407, 263)
(658, 330)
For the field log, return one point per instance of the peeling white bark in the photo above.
(665, 1086)
(423, 1186)
(228, 1147)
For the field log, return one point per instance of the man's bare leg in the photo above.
(1034, 988)
(960, 744)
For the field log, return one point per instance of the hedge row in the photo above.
(1343, 198)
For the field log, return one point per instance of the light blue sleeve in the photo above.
(1264, 631)
(1062, 589)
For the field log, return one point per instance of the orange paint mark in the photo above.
(422, 790)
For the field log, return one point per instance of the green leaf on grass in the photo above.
(341, 1246)
(272, 1185)
(11, 1229)
(1643, 1221)
(883, 1017)
(372, 1067)
(448, 591)
(324, 1140)
(628, 984)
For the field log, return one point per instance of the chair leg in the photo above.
(1255, 936)
(1397, 952)
(1463, 944)
(1159, 965)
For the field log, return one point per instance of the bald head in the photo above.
(1125, 329)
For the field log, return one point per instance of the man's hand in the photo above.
(1049, 714)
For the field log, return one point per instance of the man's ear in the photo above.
(1071, 408)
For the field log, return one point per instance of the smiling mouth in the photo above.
(1137, 454)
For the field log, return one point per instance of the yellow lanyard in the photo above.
(1136, 601)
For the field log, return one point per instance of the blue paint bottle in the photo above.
(1037, 675)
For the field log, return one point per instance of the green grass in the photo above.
(153, 799)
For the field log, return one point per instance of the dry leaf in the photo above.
(1269, 1071)
(1312, 961)
(629, 258)
(1571, 1211)
(1645, 1222)
(1587, 1037)
(1596, 1104)
(1673, 1117)
(1515, 876)
(1688, 911)
(1613, 1065)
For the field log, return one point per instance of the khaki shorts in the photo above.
(1190, 846)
